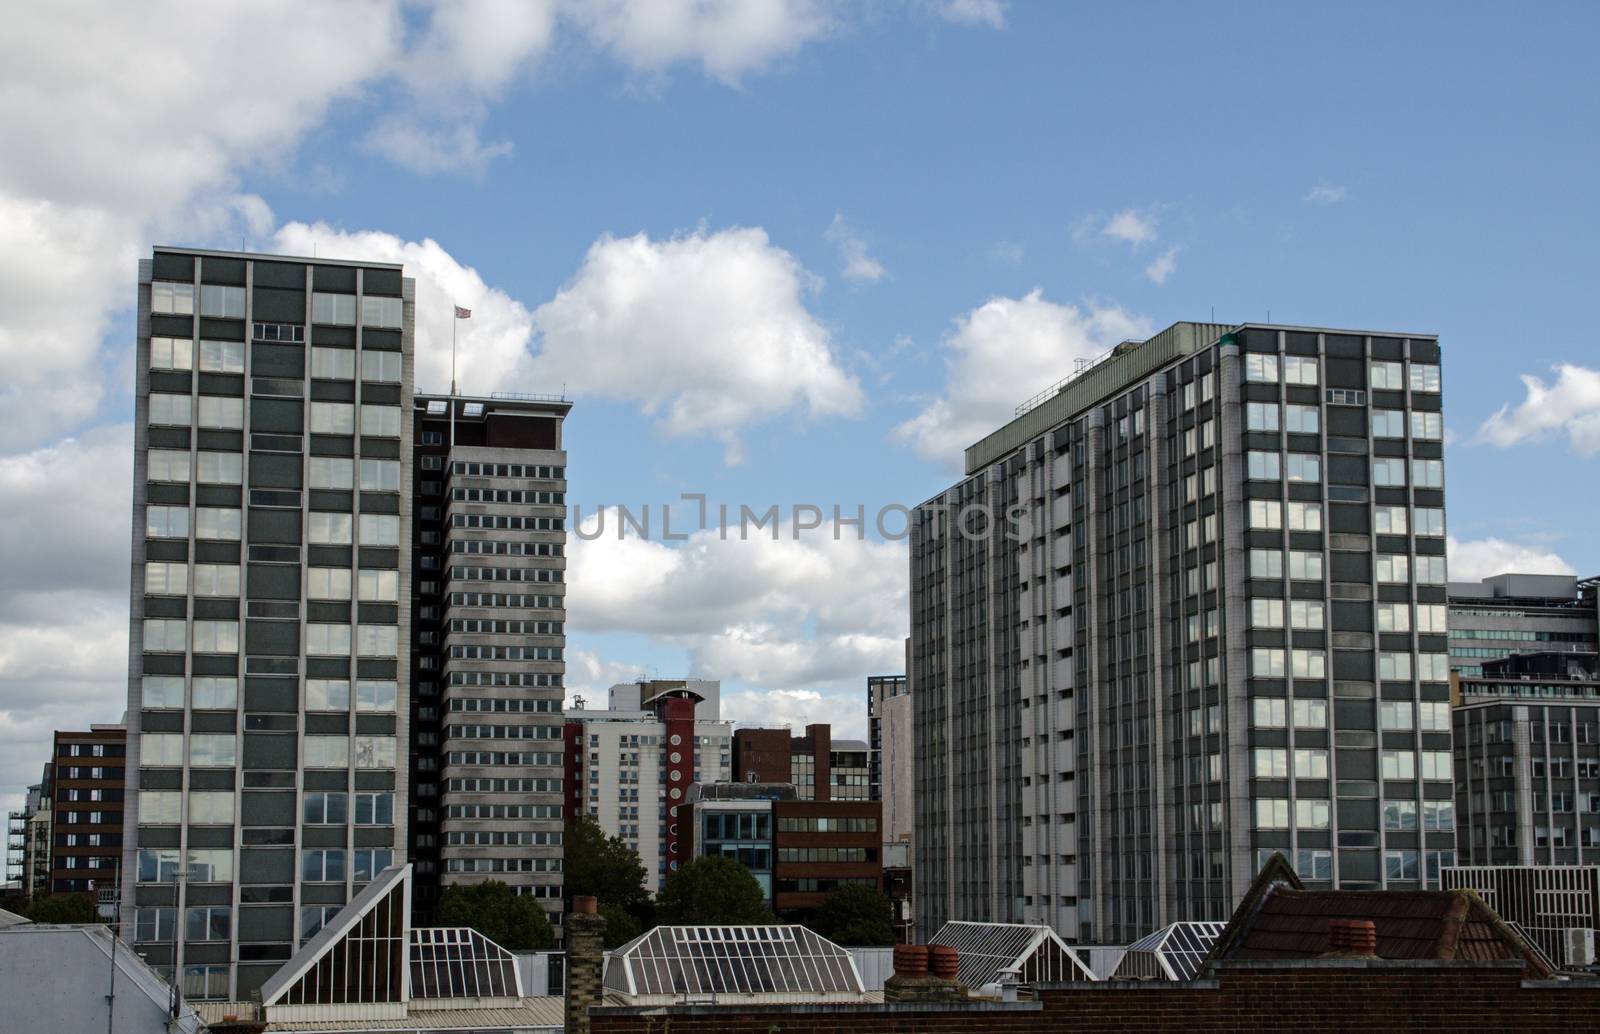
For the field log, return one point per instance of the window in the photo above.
(327, 752)
(374, 809)
(218, 300)
(222, 356)
(1430, 570)
(328, 529)
(327, 640)
(1272, 813)
(1313, 864)
(1433, 667)
(218, 411)
(1310, 763)
(208, 923)
(171, 353)
(330, 472)
(369, 862)
(1260, 367)
(1263, 466)
(215, 692)
(379, 529)
(1266, 513)
(1435, 715)
(375, 752)
(1308, 664)
(1301, 419)
(213, 750)
(1429, 520)
(325, 809)
(216, 637)
(333, 418)
(380, 421)
(1266, 613)
(1426, 473)
(1395, 715)
(383, 586)
(1388, 423)
(1424, 377)
(219, 468)
(1401, 865)
(1387, 377)
(376, 695)
(1389, 520)
(378, 311)
(1394, 665)
(1427, 426)
(1393, 568)
(327, 695)
(1433, 617)
(377, 640)
(1270, 763)
(1305, 467)
(1389, 470)
(1305, 566)
(333, 364)
(1310, 714)
(322, 866)
(1400, 815)
(170, 410)
(380, 366)
(1306, 614)
(1269, 713)
(161, 748)
(202, 982)
(1266, 663)
(154, 924)
(210, 807)
(167, 464)
(174, 298)
(1299, 370)
(165, 635)
(1398, 764)
(161, 692)
(167, 522)
(217, 523)
(1438, 816)
(160, 807)
(1261, 416)
(336, 309)
(1394, 617)
(380, 475)
(327, 583)
(1310, 813)
(163, 578)
(1305, 516)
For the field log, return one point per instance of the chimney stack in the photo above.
(1353, 937)
(585, 942)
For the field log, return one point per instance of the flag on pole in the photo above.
(463, 314)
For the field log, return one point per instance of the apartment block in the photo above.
(630, 766)
(820, 767)
(269, 691)
(86, 813)
(1520, 613)
(1187, 609)
(488, 664)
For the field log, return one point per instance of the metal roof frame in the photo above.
(1002, 953)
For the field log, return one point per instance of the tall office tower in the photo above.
(268, 701)
(630, 766)
(86, 814)
(490, 606)
(1521, 613)
(889, 740)
(1183, 611)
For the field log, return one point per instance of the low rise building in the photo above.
(630, 766)
(1515, 613)
(820, 767)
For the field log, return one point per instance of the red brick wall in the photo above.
(764, 752)
(1303, 997)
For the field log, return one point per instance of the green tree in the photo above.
(856, 914)
(62, 908)
(621, 926)
(605, 867)
(513, 921)
(711, 891)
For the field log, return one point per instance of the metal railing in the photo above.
(523, 396)
(1080, 367)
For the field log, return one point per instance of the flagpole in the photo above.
(454, 322)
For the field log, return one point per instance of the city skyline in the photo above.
(902, 294)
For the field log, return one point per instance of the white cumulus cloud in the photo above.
(1164, 266)
(991, 13)
(1477, 559)
(1570, 406)
(798, 708)
(1131, 226)
(709, 332)
(1000, 354)
(729, 39)
(855, 258)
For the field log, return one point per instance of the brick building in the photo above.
(820, 767)
(87, 809)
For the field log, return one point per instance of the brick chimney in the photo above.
(585, 941)
(913, 981)
(1352, 938)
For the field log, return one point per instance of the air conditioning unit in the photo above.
(1580, 946)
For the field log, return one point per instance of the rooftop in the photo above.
(673, 963)
(268, 257)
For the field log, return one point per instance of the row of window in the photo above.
(333, 809)
(508, 470)
(1274, 663)
(176, 353)
(328, 865)
(221, 750)
(501, 599)
(226, 524)
(506, 574)
(227, 468)
(201, 923)
(501, 522)
(507, 653)
(1385, 375)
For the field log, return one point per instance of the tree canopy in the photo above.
(621, 926)
(61, 908)
(514, 921)
(712, 891)
(856, 914)
(605, 867)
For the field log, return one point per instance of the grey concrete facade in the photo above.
(1208, 625)
(268, 695)
(1519, 613)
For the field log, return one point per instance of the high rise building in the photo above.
(269, 692)
(820, 767)
(630, 766)
(86, 814)
(889, 740)
(1162, 628)
(489, 604)
(1519, 613)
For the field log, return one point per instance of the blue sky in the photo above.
(848, 234)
